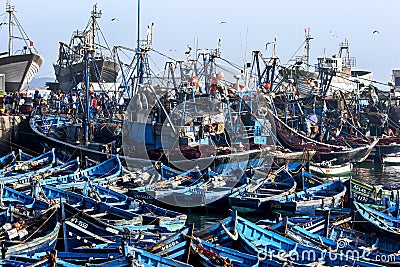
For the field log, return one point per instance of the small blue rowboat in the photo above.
(38, 234)
(256, 197)
(330, 194)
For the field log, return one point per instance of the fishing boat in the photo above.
(143, 258)
(372, 194)
(42, 162)
(105, 172)
(328, 194)
(42, 173)
(387, 146)
(256, 196)
(296, 141)
(125, 257)
(70, 66)
(151, 214)
(190, 188)
(8, 160)
(383, 223)
(391, 159)
(331, 73)
(184, 247)
(85, 229)
(27, 261)
(159, 186)
(208, 254)
(303, 236)
(329, 168)
(385, 245)
(18, 69)
(204, 137)
(175, 247)
(267, 244)
(38, 234)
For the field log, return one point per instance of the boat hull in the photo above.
(108, 71)
(19, 70)
(333, 170)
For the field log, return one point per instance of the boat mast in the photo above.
(87, 104)
(138, 26)
(89, 55)
(10, 10)
(307, 49)
(95, 15)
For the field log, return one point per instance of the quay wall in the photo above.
(15, 134)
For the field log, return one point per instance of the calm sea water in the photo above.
(366, 171)
(377, 174)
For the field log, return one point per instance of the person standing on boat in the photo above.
(94, 106)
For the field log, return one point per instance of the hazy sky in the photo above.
(250, 24)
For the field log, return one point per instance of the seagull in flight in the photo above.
(114, 19)
(375, 32)
(222, 22)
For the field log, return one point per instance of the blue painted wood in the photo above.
(330, 194)
(303, 236)
(45, 160)
(42, 236)
(252, 239)
(102, 173)
(382, 222)
(256, 196)
(43, 173)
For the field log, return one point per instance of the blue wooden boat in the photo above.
(314, 224)
(14, 201)
(385, 245)
(138, 257)
(256, 196)
(151, 214)
(184, 247)
(330, 194)
(380, 221)
(342, 245)
(109, 214)
(38, 234)
(85, 230)
(253, 239)
(162, 189)
(27, 261)
(175, 247)
(130, 257)
(8, 160)
(214, 191)
(41, 174)
(43, 161)
(372, 194)
(102, 173)
(211, 255)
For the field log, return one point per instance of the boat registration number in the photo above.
(79, 223)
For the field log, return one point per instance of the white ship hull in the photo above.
(19, 70)
(332, 170)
